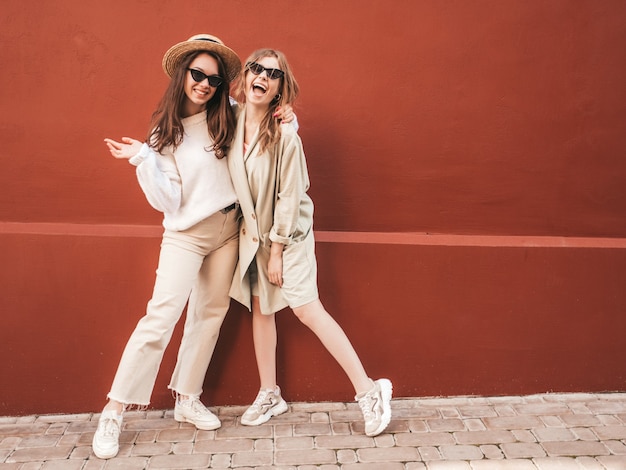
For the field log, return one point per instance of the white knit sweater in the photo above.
(189, 184)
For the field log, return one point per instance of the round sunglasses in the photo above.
(258, 69)
(214, 80)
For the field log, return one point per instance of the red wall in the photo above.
(499, 124)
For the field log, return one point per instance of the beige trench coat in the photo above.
(283, 212)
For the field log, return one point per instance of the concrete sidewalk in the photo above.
(549, 431)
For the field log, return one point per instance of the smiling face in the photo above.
(259, 89)
(198, 94)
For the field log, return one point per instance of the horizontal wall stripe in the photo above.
(384, 238)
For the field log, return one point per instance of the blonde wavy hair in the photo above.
(288, 90)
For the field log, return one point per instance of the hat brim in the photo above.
(175, 54)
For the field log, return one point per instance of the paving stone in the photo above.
(339, 429)
(522, 435)
(224, 446)
(445, 425)
(31, 466)
(415, 466)
(513, 464)
(95, 464)
(461, 452)
(610, 432)
(552, 421)
(221, 461)
(149, 424)
(292, 443)
(429, 453)
(40, 441)
(613, 462)
(477, 411)
(127, 463)
(425, 439)
(607, 407)
(151, 448)
(311, 429)
(589, 463)
(180, 461)
(521, 450)
(491, 451)
(483, 437)
(616, 447)
(575, 448)
(320, 418)
(584, 434)
(15, 429)
(10, 442)
(513, 422)
(374, 466)
(346, 456)
(243, 432)
(580, 420)
(263, 444)
(63, 465)
(147, 436)
(39, 453)
(474, 424)
(417, 426)
(395, 454)
(324, 407)
(553, 434)
(562, 463)
(305, 457)
(449, 465)
(407, 413)
(541, 409)
(609, 420)
(176, 435)
(383, 440)
(505, 411)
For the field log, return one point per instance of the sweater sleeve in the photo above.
(159, 179)
(292, 182)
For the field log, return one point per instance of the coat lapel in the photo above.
(238, 172)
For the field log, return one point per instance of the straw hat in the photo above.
(202, 42)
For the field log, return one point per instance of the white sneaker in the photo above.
(106, 440)
(268, 403)
(376, 407)
(191, 410)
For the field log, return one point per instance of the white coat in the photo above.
(282, 212)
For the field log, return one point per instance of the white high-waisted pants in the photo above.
(199, 261)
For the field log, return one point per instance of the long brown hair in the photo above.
(166, 123)
(288, 90)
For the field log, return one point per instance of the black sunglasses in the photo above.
(214, 80)
(258, 69)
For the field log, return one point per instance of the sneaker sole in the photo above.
(264, 418)
(203, 427)
(386, 390)
(103, 455)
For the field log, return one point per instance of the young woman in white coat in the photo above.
(183, 172)
(277, 265)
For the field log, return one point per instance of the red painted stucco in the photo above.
(489, 118)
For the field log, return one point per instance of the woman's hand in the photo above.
(284, 114)
(275, 264)
(125, 149)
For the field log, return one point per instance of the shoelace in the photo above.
(111, 427)
(198, 407)
(261, 397)
(366, 406)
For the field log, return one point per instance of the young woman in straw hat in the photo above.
(277, 266)
(182, 170)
